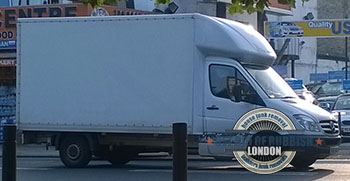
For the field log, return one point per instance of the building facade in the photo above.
(38, 8)
(296, 55)
(331, 52)
(10, 10)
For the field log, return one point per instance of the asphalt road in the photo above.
(51, 169)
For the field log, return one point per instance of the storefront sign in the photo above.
(8, 44)
(295, 84)
(346, 84)
(332, 75)
(316, 28)
(318, 76)
(9, 15)
(7, 62)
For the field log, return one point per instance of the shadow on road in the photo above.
(222, 168)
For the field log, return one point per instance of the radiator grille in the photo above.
(330, 126)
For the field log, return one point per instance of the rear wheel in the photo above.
(75, 152)
(120, 157)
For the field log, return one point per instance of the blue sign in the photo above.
(8, 44)
(295, 84)
(5, 3)
(319, 77)
(336, 74)
(281, 69)
(346, 84)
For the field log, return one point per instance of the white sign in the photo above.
(7, 62)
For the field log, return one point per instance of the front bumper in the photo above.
(345, 131)
(224, 144)
(330, 146)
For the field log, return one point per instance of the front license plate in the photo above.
(346, 130)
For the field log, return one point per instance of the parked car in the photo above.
(342, 105)
(303, 93)
(282, 29)
(329, 89)
(306, 95)
(326, 102)
(313, 87)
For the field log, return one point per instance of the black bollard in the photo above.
(9, 153)
(179, 152)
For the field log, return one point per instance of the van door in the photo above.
(222, 110)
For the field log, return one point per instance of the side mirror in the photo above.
(234, 91)
(326, 106)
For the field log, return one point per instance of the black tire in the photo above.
(118, 160)
(302, 162)
(75, 152)
(120, 157)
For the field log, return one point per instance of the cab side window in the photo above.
(219, 75)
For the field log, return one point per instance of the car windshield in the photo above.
(314, 87)
(271, 82)
(330, 89)
(342, 103)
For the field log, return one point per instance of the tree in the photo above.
(237, 6)
(97, 3)
(251, 6)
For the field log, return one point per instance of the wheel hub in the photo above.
(73, 151)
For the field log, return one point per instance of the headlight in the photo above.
(307, 123)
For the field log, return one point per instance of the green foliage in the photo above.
(250, 6)
(93, 3)
(97, 3)
(162, 1)
(110, 2)
(237, 6)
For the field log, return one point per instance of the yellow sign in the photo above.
(316, 28)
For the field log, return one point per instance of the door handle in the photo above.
(213, 107)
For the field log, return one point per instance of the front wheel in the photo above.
(302, 162)
(75, 152)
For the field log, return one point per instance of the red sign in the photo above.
(275, 4)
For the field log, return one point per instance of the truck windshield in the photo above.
(271, 82)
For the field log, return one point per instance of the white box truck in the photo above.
(111, 87)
